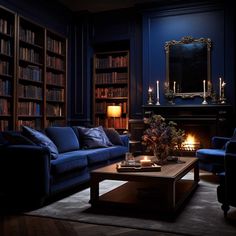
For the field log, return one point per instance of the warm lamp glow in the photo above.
(114, 111)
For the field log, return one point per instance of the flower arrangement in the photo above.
(161, 138)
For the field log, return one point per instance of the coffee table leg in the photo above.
(171, 197)
(94, 190)
(196, 173)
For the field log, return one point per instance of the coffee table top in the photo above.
(170, 170)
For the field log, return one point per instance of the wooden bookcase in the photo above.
(33, 74)
(111, 87)
(7, 68)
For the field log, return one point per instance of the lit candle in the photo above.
(145, 162)
(149, 90)
(204, 88)
(174, 86)
(220, 84)
(157, 89)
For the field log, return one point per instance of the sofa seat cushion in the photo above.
(116, 151)
(95, 156)
(64, 138)
(68, 161)
(211, 155)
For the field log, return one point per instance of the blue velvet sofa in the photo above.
(35, 170)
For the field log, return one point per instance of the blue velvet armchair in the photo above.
(226, 191)
(212, 159)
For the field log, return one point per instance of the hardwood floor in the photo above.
(19, 225)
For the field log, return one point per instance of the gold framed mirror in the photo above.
(188, 64)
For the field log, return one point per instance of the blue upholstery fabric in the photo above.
(113, 136)
(40, 139)
(64, 138)
(68, 161)
(93, 137)
(116, 151)
(14, 138)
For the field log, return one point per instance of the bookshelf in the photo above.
(33, 74)
(111, 87)
(7, 68)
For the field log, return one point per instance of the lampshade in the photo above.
(113, 111)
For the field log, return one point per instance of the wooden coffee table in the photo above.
(163, 191)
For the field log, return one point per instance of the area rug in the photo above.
(202, 214)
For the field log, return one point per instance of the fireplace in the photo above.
(201, 121)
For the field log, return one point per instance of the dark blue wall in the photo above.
(208, 21)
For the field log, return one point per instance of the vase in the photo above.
(160, 157)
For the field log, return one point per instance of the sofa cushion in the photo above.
(64, 138)
(93, 137)
(211, 155)
(16, 138)
(41, 140)
(69, 161)
(117, 151)
(113, 136)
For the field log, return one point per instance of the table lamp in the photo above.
(114, 111)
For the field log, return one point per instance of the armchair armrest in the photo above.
(24, 171)
(219, 142)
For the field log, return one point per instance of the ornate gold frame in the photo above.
(187, 40)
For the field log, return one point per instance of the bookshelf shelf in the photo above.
(33, 74)
(111, 87)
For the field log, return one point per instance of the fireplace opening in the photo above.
(191, 143)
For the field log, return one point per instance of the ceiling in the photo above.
(101, 5)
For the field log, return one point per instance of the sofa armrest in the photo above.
(219, 142)
(125, 139)
(24, 171)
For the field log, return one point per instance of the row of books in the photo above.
(4, 125)
(56, 79)
(29, 108)
(55, 62)
(54, 45)
(117, 123)
(53, 110)
(5, 47)
(114, 77)
(27, 35)
(55, 94)
(29, 54)
(35, 124)
(4, 67)
(101, 107)
(4, 107)
(5, 87)
(6, 27)
(111, 61)
(111, 92)
(30, 91)
(30, 73)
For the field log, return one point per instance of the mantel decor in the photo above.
(161, 138)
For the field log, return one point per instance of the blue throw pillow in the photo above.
(40, 139)
(113, 136)
(93, 137)
(64, 138)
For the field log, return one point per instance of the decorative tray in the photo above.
(136, 167)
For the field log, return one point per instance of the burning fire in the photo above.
(190, 144)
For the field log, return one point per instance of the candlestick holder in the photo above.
(204, 102)
(158, 102)
(222, 99)
(150, 101)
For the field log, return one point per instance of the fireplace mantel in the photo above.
(209, 120)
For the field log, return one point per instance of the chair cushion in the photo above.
(68, 161)
(113, 136)
(41, 140)
(93, 137)
(64, 138)
(211, 155)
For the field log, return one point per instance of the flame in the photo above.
(190, 142)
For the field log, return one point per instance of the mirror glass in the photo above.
(187, 66)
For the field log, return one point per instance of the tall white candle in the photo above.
(158, 90)
(220, 84)
(204, 88)
(174, 86)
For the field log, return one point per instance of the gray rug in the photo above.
(201, 215)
